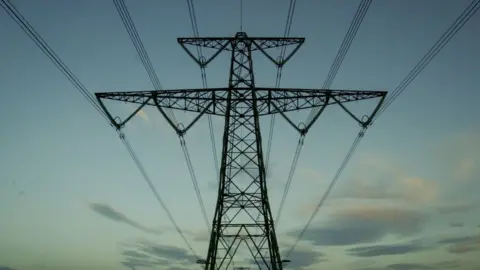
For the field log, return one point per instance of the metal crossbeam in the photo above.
(269, 100)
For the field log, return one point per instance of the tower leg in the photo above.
(242, 193)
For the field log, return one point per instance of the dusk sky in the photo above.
(72, 198)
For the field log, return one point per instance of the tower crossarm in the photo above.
(214, 100)
(282, 100)
(220, 44)
(223, 42)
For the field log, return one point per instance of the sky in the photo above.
(71, 197)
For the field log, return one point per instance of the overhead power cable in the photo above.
(155, 192)
(290, 178)
(203, 73)
(188, 159)
(347, 41)
(47, 50)
(193, 21)
(286, 33)
(241, 15)
(466, 15)
(347, 158)
(142, 53)
(343, 50)
(42, 44)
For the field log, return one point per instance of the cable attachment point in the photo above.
(202, 61)
(366, 121)
(303, 129)
(301, 139)
(280, 61)
(117, 123)
(180, 129)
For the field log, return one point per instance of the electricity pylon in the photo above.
(242, 216)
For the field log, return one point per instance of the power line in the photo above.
(347, 158)
(444, 39)
(203, 73)
(131, 29)
(241, 15)
(466, 15)
(155, 192)
(13, 12)
(142, 53)
(290, 178)
(194, 24)
(344, 47)
(42, 44)
(286, 33)
(354, 26)
(194, 180)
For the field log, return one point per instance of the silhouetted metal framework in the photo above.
(242, 191)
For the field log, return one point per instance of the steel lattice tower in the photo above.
(242, 215)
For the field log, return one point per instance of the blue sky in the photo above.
(71, 197)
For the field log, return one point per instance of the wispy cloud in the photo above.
(142, 114)
(6, 268)
(143, 253)
(112, 214)
(458, 207)
(456, 224)
(460, 154)
(385, 180)
(364, 224)
(463, 244)
(392, 249)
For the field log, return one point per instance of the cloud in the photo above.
(302, 258)
(364, 224)
(417, 266)
(420, 266)
(142, 114)
(136, 263)
(165, 252)
(144, 253)
(417, 189)
(461, 155)
(458, 207)
(201, 236)
(361, 264)
(456, 224)
(448, 264)
(378, 178)
(135, 254)
(409, 266)
(465, 169)
(460, 245)
(382, 250)
(110, 213)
